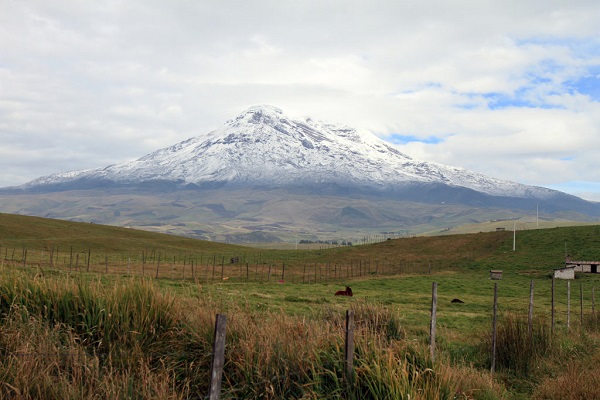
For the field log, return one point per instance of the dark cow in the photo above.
(347, 292)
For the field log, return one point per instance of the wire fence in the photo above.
(215, 267)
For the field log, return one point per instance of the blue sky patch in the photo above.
(520, 99)
(397, 138)
(588, 85)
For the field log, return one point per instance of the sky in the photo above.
(510, 89)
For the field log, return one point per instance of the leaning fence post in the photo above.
(432, 326)
(218, 358)
(493, 368)
(349, 347)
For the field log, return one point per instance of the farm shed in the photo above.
(496, 274)
(565, 273)
(590, 267)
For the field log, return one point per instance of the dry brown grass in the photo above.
(61, 339)
(576, 380)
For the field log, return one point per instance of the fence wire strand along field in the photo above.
(214, 267)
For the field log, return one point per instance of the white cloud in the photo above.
(87, 84)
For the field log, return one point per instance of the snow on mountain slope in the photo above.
(263, 146)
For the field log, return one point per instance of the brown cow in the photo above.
(347, 292)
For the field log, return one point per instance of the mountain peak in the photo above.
(264, 109)
(259, 114)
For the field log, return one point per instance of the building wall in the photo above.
(564, 273)
(585, 267)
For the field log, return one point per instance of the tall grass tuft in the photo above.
(43, 361)
(591, 322)
(518, 350)
(370, 316)
(575, 380)
(118, 333)
(278, 359)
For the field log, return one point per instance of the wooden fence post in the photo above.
(218, 358)
(214, 266)
(568, 305)
(593, 303)
(157, 265)
(552, 309)
(223, 268)
(530, 316)
(172, 268)
(349, 346)
(493, 367)
(581, 304)
(432, 326)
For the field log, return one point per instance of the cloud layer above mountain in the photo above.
(509, 89)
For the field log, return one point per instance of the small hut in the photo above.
(496, 274)
(567, 272)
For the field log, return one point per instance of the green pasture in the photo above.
(410, 297)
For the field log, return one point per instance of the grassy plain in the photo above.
(142, 337)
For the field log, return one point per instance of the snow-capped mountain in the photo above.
(265, 176)
(263, 146)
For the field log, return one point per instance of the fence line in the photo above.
(213, 268)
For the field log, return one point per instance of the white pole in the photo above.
(514, 235)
